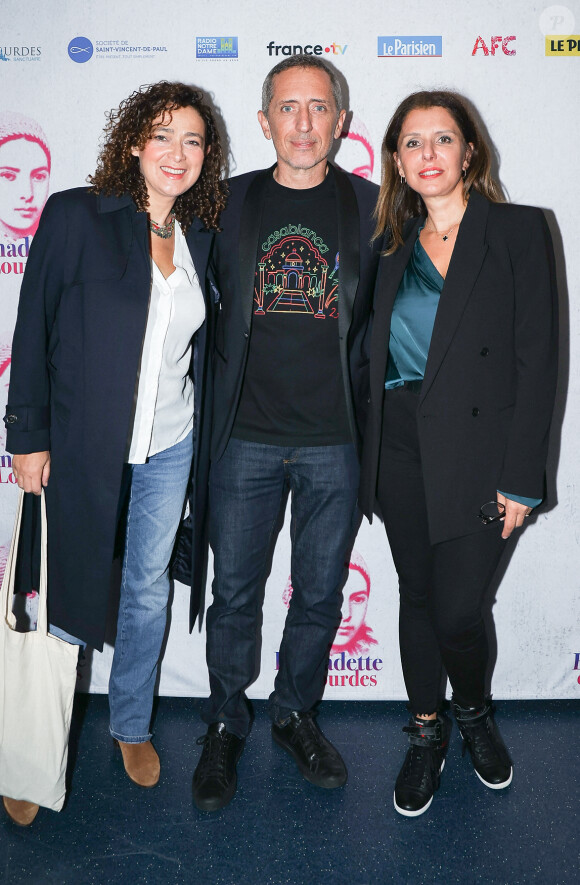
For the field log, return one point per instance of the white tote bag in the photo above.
(37, 683)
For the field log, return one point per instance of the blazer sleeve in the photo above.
(536, 353)
(28, 411)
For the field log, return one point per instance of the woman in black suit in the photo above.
(106, 406)
(463, 373)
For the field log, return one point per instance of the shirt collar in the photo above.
(181, 256)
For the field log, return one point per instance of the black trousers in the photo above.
(441, 586)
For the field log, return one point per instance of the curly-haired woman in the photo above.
(105, 407)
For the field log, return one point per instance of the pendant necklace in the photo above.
(444, 236)
(163, 230)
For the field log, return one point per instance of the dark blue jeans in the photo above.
(247, 486)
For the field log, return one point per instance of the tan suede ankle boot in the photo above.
(141, 763)
(20, 811)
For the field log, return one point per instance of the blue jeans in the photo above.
(247, 486)
(155, 505)
(68, 637)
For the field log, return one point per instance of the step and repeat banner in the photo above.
(518, 62)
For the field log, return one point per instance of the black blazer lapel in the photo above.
(199, 241)
(464, 267)
(348, 248)
(250, 223)
(391, 270)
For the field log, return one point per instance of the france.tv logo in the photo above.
(410, 47)
(80, 49)
(216, 47)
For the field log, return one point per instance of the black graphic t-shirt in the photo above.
(293, 392)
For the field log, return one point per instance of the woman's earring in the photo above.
(403, 179)
(464, 173)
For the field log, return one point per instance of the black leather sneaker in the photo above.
(318, 760)
(215, 779)
(481, 737)
(419, 777)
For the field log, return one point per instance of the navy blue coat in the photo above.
(75, 358)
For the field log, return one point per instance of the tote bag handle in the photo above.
(8, 583)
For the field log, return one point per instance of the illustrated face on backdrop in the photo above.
(24, 182)
(356, 151)
(173, 156)
(431, 152)
(302, 117)
(355, 600)
(353, 635)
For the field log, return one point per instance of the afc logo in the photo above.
(495, 44)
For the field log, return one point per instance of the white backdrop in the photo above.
(65, 65)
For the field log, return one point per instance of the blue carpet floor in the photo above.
(280, 830)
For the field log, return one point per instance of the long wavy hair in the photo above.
(131, 124)
(397, 202)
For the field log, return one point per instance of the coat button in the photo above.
(10, 419)
(246, 335)
(475, 411)
(484, 351)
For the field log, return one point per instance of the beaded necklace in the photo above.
(165, 231)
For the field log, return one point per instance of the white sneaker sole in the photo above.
(496, 786)
(422, 810)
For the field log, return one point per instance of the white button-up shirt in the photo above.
(164, 407)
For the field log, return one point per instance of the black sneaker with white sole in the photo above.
(419, 777)
(489, 754)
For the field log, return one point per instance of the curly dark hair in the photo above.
(130, 126)
(397, 201)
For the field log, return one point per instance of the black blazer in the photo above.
(235, 259)
(75, 358)
(486, 402)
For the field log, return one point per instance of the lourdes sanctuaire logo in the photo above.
(20, 53)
